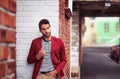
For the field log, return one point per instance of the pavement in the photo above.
(98, 65)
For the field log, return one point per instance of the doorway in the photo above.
(82, 9)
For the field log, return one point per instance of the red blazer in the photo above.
(58, 55)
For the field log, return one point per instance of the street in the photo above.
(98, 65)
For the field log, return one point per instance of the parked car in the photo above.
(115, 53)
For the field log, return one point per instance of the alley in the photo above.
(98, 65)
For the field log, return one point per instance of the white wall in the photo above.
(29, 13)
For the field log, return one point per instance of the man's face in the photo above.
(45, 30)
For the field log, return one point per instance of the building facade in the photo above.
(101, 30)
(108, 30)
(19, 26)
(7, 39)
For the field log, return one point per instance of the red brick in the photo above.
(4, 3)
(2, 35)
(2, 69)
(13, 52)
(13, 5)
(6, 20)
(1, 52)
(12, 22)
(10, 36)
(1, 17)
(11, 67)
(4, 52)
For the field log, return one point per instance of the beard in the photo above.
(46, 35)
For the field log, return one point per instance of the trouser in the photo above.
(45, 76)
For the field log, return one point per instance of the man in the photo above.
(48, 54)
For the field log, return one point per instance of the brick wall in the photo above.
(64, 25)
(29, 13)
(7, 39)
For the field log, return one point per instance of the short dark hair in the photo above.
(43, 21)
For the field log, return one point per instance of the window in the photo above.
(106, 27)
(117, 27)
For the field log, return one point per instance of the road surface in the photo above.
(98, 65)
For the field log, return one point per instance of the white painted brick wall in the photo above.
(29, 13)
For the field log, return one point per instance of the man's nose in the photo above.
(47, 30)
